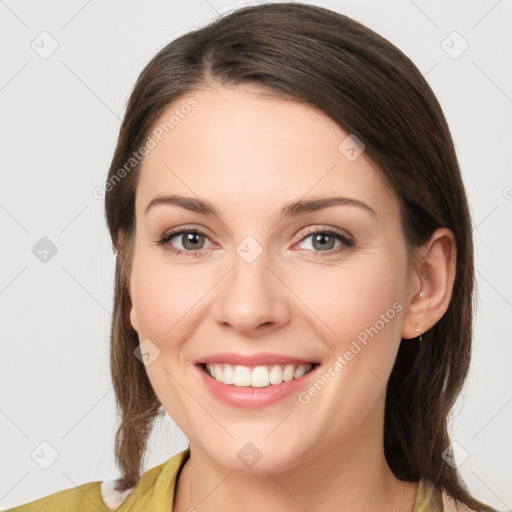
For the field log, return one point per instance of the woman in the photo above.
(294, 274)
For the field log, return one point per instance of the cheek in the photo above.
(360, 304)
(163, 298)
(360, 311)
(344, 302)
(171, 302)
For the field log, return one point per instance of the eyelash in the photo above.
(346, 242)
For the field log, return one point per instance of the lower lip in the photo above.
(252, 398)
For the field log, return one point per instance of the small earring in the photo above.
(420, 338)
(422, 294)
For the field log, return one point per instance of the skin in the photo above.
(249, 154)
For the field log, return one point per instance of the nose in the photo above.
(252, 298)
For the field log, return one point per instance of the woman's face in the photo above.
(258, 281)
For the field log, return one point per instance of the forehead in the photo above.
(241, 146)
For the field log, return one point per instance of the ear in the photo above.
(430, 284)
(123, 256)
(133, 318)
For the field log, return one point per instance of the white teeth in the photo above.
(258, 376)
(288, 373)
(276, 375)
(228, 375)
(242, 376)
(299, 372)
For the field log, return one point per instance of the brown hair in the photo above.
(371, 89)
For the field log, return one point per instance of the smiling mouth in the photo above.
(256, 376)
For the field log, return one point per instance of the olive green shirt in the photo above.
(154, 492)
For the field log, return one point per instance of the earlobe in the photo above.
(133, 318)
(123, 257)
(432, 286)
(133, 312)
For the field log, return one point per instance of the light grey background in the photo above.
(60, 119)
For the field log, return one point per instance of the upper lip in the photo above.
(259, 359)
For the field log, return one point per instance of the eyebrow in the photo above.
(295, 208)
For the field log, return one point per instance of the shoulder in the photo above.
(153, 491)
(450, 505)
(112, 498)
(85, 497)
(433, 498)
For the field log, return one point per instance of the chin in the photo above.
(254, 457)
